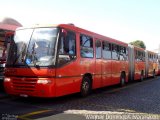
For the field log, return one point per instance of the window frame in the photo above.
(82, 47)
(72, 57)
(110, 49)
(123, 53)
(117, 51)
(97, 40)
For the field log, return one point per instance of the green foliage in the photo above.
(138, 43)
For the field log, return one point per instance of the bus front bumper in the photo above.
(34, 87)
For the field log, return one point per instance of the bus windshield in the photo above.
(33, 47)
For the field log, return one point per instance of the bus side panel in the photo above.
(150, 69)
(106, 72)
(68, 79)
(97, 80)
(139, 67)
(117, 68)
(125, 68)
(67, 85)
(116, 71)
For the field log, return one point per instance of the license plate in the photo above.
(23, 95)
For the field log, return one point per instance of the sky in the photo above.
(124, 20)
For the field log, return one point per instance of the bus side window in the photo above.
(106, 52)
(67, 47)
(86, 43)
(139, 55)
(150, 57)
(98, 49)
(115, 52)
(123, 54)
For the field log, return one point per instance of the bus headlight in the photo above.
(44, 81)
(7, 79)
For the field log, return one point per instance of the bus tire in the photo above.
(85, 87)
(122, 80)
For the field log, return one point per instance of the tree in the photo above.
(138, 43)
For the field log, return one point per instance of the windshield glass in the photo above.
(33, 47)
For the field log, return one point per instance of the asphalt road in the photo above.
(138, 100)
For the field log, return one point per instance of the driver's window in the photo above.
(67, 47)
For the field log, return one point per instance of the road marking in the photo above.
(25, 116)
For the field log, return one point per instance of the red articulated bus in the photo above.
(52, 61)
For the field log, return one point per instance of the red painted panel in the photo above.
(106, 72)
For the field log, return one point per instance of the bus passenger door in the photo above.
(116, 65)
(67, 69)
(106, 63)
(98, 65)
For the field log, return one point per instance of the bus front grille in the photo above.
(24, 85)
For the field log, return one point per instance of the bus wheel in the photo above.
(85, 86)
(142, 77)
(122, 80)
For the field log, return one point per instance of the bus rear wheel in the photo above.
(85, 87)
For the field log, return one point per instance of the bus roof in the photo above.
(151, 52)
(80, 30)
(138, 48)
